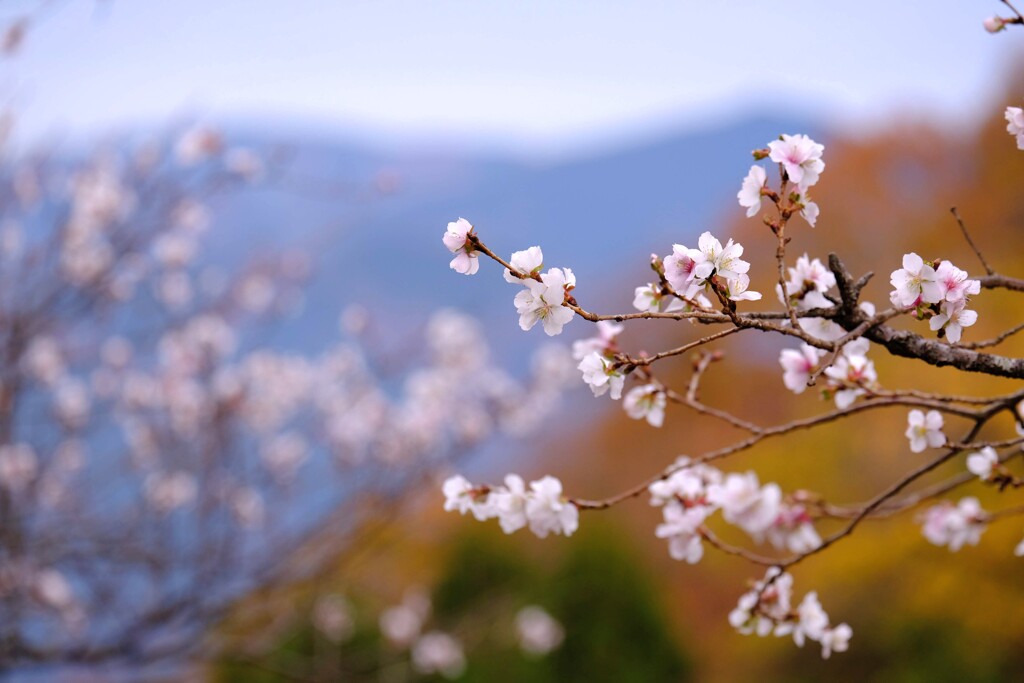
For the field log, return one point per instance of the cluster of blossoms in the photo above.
(1015, 124)
(544, 294)
(851, 375)
(694, 491)
(604, 374)
(800, 159)
(938, 292)
(768, 609)
(954, 525)
(541, 507)
(711, 268)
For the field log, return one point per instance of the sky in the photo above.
(526, 75)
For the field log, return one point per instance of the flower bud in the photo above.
(994, 24)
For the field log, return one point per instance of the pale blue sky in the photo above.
(526, 75)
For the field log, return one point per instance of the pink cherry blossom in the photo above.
(800, 156)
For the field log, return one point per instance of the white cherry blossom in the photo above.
(601, 375)
(529, 262)
(749, 195)
(547, 510)
(915, 282)
(745, 503)
(983, 462)
(646, 402)
(1015, 124)
(798, 366)
(456, 238)
(953, 318)
(542, 302)
(925, 431)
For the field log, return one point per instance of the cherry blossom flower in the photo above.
(688, 483)
(794, 530)
(736, 289)
(955, 284)
(710, 257)
(800, 156)
(953, 318)
(798, 366)
(852, 374)
(983, 462)
(601, 375)
(682, 529)
(650, 299)
(458, 494)
(746, 503)
(954, 526)
(750, 194)
(1015, 124)
(457, 239)
(915, 282)
(547, 511)
(646, 402)
(767, 603)
(807, 283)
(510, 504)
(542, 301)
(679, 271)
(809, 210)
(812, 620)
(925, 431)
(835, 640)
(538, 632)
(529, 262)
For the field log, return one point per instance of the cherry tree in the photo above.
(834, 333)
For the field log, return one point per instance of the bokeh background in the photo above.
(604, 133)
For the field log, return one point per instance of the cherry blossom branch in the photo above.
(781, 430)
(1019, 19)
(909, 345)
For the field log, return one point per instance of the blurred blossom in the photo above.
(18, 466)
(44, 360)
(333, 617)
(402, 623)
(438, 653)
(539, 633)
(197, 144)
(168, 491)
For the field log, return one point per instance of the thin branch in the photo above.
(967, 236)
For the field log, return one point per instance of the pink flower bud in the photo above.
(994, 24)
